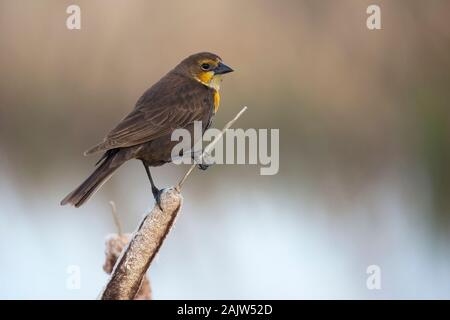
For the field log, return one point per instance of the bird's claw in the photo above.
(157, 195)
(203, 167)
(204, 160)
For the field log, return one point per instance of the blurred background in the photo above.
(364, 147)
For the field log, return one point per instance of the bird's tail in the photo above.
(101, 174)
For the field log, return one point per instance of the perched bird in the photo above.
(188, 93)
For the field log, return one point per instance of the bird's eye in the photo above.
(205, 66)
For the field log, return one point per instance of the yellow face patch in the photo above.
(210, 79)
(205, 77)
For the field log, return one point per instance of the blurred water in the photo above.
(364, 147)
(284, 246)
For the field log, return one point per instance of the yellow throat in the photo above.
(213, 81)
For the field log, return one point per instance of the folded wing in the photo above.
(170, 104)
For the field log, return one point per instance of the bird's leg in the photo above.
(156, 192)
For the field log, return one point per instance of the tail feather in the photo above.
(101, 174)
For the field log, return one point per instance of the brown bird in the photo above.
(188, 93)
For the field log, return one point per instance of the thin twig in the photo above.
(116, 218)
(210, 146)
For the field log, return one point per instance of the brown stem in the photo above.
(135, 259)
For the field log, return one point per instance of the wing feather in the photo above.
(173, 102)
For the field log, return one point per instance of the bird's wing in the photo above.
(168, 105)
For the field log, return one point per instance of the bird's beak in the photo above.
(222, 68)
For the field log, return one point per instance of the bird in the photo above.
(187, 93)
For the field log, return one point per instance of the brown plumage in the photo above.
(186, 94)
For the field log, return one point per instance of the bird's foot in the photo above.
(203, 166)
(204, 160)
(157, 195)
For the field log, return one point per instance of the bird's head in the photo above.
(204, 67)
